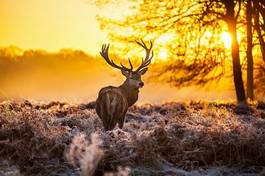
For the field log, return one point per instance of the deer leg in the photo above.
(108, 126)
(121, 121)
(111, 124)
(106, 120)
(105, 125)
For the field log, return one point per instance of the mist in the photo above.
(74, 76)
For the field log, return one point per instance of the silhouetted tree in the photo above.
(250, 91)
(255, 10)
(230, 18)
(259, 21)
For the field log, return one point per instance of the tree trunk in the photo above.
(237, 73)
(250, 91)
(257, 25)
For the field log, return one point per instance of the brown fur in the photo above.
(113, 102)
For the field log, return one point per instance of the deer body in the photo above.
(113, 102)
(111, 107)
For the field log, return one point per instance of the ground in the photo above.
(191, 138)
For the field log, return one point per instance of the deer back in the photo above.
(111, 106)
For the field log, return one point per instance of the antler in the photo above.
(104, 53)
(148, 59)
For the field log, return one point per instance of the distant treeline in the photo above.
(38, 73)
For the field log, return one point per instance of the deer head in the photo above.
(133, 78)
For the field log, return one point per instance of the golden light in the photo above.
(205, 38)
(208, 34)
(163, 39)
(31, 24)
(163, 54)
(226, 38)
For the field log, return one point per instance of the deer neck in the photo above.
(130, 93)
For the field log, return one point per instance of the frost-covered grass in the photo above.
(192, 138)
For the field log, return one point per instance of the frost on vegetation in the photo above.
(121, 172)
(85, 155)
(168, 139)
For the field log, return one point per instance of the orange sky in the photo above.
(50, 25)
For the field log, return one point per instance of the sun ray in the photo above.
(226, 38)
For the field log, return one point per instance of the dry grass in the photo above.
(194, 138)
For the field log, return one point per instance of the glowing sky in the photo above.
(50, 25)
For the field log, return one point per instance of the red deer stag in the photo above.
(113, 102)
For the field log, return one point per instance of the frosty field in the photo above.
(175, 138)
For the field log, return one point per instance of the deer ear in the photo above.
(143, 71)
(125, 73)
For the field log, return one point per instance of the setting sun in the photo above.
(163, 53)
(226, 38)
(163, 39)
